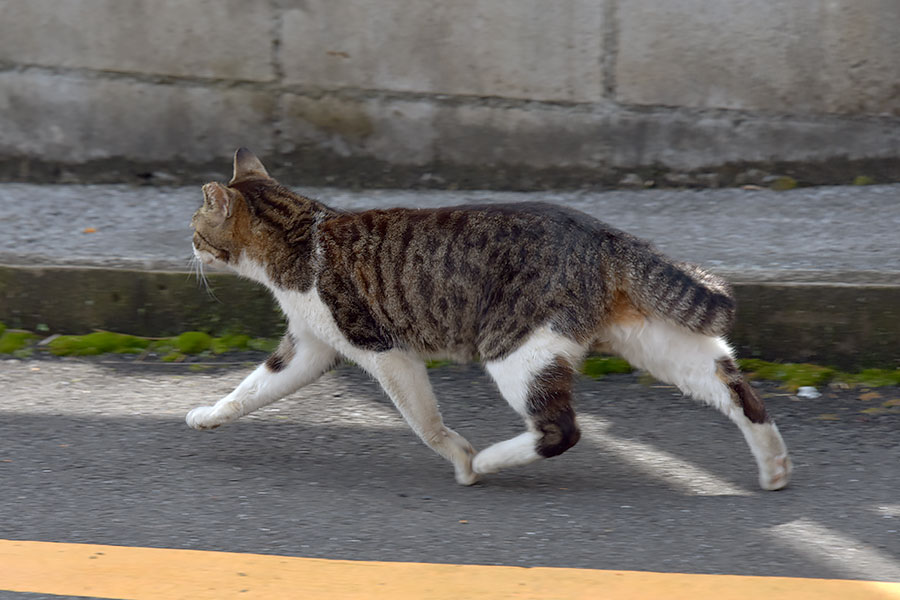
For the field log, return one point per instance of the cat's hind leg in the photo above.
(536, 380)
(703, 367)
(405, 379)
(299, 360)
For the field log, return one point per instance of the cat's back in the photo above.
(490, 245)
(466, 231)
(464, 279)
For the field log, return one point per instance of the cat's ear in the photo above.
(220, 200)
(247, 166)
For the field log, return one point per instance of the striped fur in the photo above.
(528, 288)
(467, 281)
(683, 294)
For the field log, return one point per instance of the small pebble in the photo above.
(808, 391)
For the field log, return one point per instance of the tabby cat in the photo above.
(528, 288)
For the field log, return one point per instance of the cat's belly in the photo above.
(307, 313)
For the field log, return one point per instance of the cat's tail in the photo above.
(683, 294)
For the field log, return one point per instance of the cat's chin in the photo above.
(207, 258)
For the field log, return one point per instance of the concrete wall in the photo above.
(517, 93)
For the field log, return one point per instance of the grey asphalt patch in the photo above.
(93, 453)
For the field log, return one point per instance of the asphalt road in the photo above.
(97, 451)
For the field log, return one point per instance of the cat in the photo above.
(527, 288)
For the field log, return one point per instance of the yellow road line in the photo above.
(157, 574)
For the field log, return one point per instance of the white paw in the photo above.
(464, 473)
(482, 464)
(777, 473)
(466, 478)
(513, 452)
(202, 417)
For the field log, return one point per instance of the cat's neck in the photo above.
(283, 231)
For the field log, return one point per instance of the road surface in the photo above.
(96, 451)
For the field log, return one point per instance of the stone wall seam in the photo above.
(277, 25)
(610, 48)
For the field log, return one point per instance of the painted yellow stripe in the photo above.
(158, 574)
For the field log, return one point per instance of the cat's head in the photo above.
(222, 225)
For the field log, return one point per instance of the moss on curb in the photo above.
(796, 375)
(874, 377)
(14, 341)
(226, 343)
(107, 342)
(99, 342)
(793, 375)
(597, 367)
(193, 342)
(20, 343)
(784, 183)
(263, 344)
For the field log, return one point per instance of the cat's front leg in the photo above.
(405, 380)
(299, 360)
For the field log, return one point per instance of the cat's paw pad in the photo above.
(777, 473)
(202, 418)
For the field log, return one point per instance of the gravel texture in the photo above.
(831, 234)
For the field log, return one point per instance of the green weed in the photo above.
(14, 341)
(193, 342)
(792, 375)
(100, 342)
(227, 343)
(597, 367)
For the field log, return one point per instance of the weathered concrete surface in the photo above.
(847, 326)
(496, 94)
(148, 303)
(816, 274)
(798, 57)
(222, 39)
(510, 49)
(73, 118)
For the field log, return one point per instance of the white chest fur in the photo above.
(306, 312)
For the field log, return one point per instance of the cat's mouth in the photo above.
(208, 253)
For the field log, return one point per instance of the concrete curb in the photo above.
(146, 303)
(846, 326)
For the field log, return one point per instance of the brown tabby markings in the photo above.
(754, 408)
(283, 231)
(527, 287)
(465, 281)
(550, 407)
(283, 355)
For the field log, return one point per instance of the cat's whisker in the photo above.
(192, 267)
(205, 281)
(202, 281)
(195, 269)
